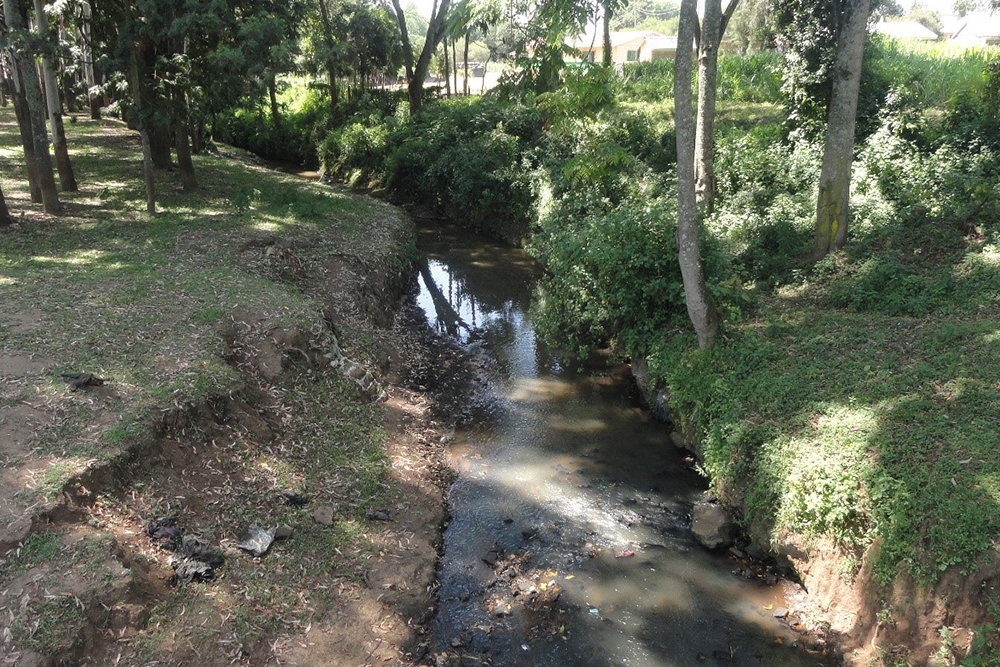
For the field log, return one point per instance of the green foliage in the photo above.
(767, 204)
(469, 159)
(612, 273)
(292, 140)
(648, 81)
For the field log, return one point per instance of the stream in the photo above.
(569, 540)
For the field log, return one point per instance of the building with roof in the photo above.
(913, 30)
(973, 30)
(626, 47)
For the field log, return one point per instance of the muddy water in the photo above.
(569, 542)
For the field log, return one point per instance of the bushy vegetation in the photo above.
(846, 398)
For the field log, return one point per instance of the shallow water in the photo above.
(571, 497)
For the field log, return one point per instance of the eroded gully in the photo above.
(569, 541)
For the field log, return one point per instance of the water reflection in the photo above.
(564, 472)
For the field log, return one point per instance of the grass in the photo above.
(136, 298)
(142, 300)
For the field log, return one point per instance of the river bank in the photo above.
(254, 370)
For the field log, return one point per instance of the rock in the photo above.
(283, 532)
(655, 397)
(324, 515)
(378, 515)
(711, 525)
(15, 534)
(780, 612)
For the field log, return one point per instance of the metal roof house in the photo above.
(906, 30)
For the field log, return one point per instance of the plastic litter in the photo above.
(192, 570)
(256, 540)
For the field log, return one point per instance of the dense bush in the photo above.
(469, 159)
(294, 140)
(612, 272)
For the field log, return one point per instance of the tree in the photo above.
(24, 63)
(709, 39)
(700, 309)
(416, 70)
(833, 207)
(66, 177)
(752, 26)
(5, 218)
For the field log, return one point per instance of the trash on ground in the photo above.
(81, 380)
(256, 540)
(294, 498)
(192, 570)
(378, 515)
(199, 549)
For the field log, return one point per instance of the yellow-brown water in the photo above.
(564, 475)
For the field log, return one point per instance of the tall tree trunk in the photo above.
(606, 59)
(416, 72)
(454, 63)
(272, 92)
(714, 28)
(197, 129)
(447, 71)
(36, 116)
(833, 207)
(184, 162)
(66, 177)
(5, 218)
(330, 70)
(465, 66)
(708, 69)
(147, 152)
(160, 138)
(87, 53)
(700, 310)
(24, 127)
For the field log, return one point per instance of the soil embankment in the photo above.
(868, 622)
(255, 372)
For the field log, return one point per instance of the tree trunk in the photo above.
(36, 116)
(27, 142)
(197, 137)
(708, 69)
(5, 218)
(416, 72)
(272, 92)
(447, 71)
(147, 151)
(833, 207)
(66, 176)
(454, 63)
(184, 163)
(606, 59)
(465, 66)
(699, 307)
(87, 56)
(330, 71)
(160, 138)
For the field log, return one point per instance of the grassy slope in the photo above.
(826, 414)
(857, 424)
(135, 298)
(139, 299)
